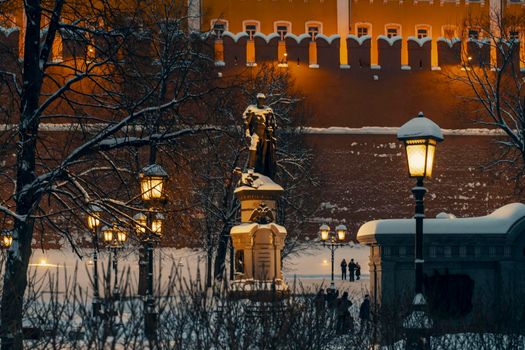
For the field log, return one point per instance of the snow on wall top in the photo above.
(420, 126)
(498, 222)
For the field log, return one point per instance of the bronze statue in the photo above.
(259, 123)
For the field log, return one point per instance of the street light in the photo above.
(420, 136)
(332, 240)
(152, 180)
(114, 237)
(93, 221)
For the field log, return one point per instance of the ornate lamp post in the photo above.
(93, 221)
(332, 240)
(114, 237)
(152, 183)
(420, 136)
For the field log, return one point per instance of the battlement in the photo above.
(377, 53)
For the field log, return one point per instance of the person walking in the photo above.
(343, 269)
(344, 320)
(364, 314)
(357, 271)
(351, 269)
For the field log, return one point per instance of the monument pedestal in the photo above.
(258, 241)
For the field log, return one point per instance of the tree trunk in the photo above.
(15, 282)
(26, 197)
(222, 250)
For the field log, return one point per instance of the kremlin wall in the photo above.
(360, 64)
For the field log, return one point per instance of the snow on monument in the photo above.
(259, 240)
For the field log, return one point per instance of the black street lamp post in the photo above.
(93, 221)
(152, 183)
(332, 240)
(420, 136)
(114, 237)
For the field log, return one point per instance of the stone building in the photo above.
(470, 263)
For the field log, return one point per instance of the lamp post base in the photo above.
(332, 285)
(418, 325)
(151, 324)
(96, 306)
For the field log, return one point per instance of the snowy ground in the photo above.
(307, 271)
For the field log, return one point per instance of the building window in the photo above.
(422, 33)
(251, 27)
(282, 28)
(313, 29)
(473, 34)
(362, 31)
(219, 27)
(393, 31)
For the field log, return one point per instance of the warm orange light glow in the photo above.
(420, 155)
(141, 222)
(7, 241)
(324, 231)
(107, 233)
(151, 187)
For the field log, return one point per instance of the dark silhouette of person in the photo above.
(320, 300)
(351, 269)
(331, 298)
(344, 320)
(343, 269)
(364, 314)
(357, 271)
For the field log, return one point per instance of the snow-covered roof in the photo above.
(154, 170)
(253, 226)
(420, 126)
(262, 182)
(498, 222)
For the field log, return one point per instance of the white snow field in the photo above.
(309, 270)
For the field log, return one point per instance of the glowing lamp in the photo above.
(324, 232)
(107, 234)
(341, 231)
(7, 239)
(141, 222)
(420, 136)
(152, 182)
(121, 235)
(93, 218)
(156, 223)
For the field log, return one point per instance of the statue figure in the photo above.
(259, 124)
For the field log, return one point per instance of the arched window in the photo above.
(219, 26)
(313, 28)
(251, 27)
(423, 31)
(392, 30)
(282, 28)
(362, 29)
